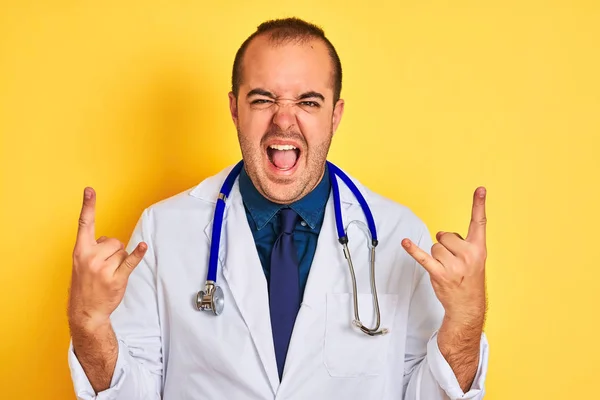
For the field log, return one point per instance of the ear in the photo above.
(338, 111)
(233, 108)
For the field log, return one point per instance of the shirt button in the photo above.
(302, 223)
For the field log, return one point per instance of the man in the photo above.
(286, 330)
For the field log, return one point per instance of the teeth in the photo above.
(282, 147)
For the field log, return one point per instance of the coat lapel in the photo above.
(243, 273)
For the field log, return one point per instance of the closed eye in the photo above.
(310, 104)
(261, 101)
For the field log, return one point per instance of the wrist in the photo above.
(464, 320)
(472, 316)
(86, 324)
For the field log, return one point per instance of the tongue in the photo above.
(284, 159)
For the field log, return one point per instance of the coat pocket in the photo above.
(348, 352)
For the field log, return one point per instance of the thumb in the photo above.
(132, 260)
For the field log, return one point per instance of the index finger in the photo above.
(478, 217)
(87, 217)
(427, 261)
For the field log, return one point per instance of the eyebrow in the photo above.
(311, 94)
(260, 92)
(266, 93)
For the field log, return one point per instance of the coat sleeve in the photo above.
(138, 372)
(427, 374)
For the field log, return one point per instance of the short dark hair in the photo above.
(283, 31)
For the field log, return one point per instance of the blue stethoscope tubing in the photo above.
(334, 173)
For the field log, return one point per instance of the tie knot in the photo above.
(288, 219)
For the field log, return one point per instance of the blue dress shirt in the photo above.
(265, 228)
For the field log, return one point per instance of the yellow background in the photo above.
(131, 98)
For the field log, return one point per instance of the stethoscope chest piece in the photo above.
(210, 299)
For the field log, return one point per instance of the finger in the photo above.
(108, 247)
(452, 241)
(478, 217)
(132, 260)
(440, 233)
(118, 258)
(101, 239)
(429, 263)
(85, 231)
(442, 254)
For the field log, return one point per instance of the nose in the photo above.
(285, 116)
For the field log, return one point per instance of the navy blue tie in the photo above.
(284, 289)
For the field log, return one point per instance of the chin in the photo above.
(280, 192)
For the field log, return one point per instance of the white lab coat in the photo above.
(169, 350)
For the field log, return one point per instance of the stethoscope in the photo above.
(212, 299)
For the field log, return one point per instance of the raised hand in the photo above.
(101, 269)
(457, 267)
(457, 270)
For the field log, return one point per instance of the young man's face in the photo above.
(285, 116)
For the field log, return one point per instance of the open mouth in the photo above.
(283, 156)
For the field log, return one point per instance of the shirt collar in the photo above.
(310, 208)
